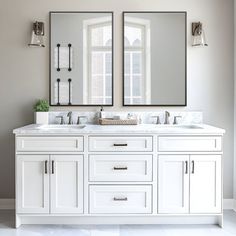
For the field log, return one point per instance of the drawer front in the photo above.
(208, 143)
(120, 199)
(120, 144)
(49, 144)
(120, 168)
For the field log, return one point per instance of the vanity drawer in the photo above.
(120, 199)
(120, 168)
(120, 144)
(189, 143)
(45, 144)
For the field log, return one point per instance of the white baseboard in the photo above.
(9, 204)
(228, 204)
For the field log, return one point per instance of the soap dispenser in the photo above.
(99, 114)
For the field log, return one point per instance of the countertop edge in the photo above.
(34, 130)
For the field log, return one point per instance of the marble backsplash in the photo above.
(190, 117)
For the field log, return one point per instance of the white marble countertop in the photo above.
(197, 129)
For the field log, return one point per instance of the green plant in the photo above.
(41, 105)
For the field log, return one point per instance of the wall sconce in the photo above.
(37, 35)
(198, 34)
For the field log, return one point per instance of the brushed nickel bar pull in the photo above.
(120, 199)
(53, 167)
(120, 144)
(193, 167)
(186, 167)
(46, 167)
(120, 168)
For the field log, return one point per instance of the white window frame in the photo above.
(146, 56)
(88, 25)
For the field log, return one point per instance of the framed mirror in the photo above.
(154, 59)
(81, 58)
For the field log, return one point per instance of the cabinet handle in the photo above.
(53, 167)
(193, 167)
(120, 144)
(46, 167)
(120, 168)
(120, 199)
(186, 167)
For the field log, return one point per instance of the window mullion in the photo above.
(104, 77)
(131, 78)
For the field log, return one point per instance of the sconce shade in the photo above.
(37, 35)
(199, 39)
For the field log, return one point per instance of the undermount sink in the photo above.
(60, 127)
(187, 126)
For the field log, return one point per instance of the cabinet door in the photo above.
(205, 184)
(32, 188)
(66, 183)
(173, 191)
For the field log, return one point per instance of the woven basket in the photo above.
(110, 121)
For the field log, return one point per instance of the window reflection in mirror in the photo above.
(137, 61)
(90, 36)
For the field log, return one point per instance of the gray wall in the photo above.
(25, 71)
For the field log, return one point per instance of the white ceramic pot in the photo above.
(41, 118)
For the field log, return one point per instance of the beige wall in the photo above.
(24, 71)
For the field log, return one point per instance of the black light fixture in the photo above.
(37, 35)
(199, 39)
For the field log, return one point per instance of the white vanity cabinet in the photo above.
(123, 199)
(124, 168)
(66, 184)
(173, 184)
(118, 178)
(32, 188)
(205, 184)
(189, 184)
(49, 184)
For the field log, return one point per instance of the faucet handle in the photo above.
(70, 122)
(158, 122)
(79, 117)
(62, 122)
(176, 120)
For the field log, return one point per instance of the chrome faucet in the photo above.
(167, 118)
(70, 122)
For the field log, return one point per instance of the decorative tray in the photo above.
(111, 121)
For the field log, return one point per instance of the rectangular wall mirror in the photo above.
(154, 57)
(81, 58)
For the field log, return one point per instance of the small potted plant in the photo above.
(41, 109)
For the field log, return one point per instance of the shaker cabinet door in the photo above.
(66, 184)
(32, 184)
(205, 184)
(173, 191)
